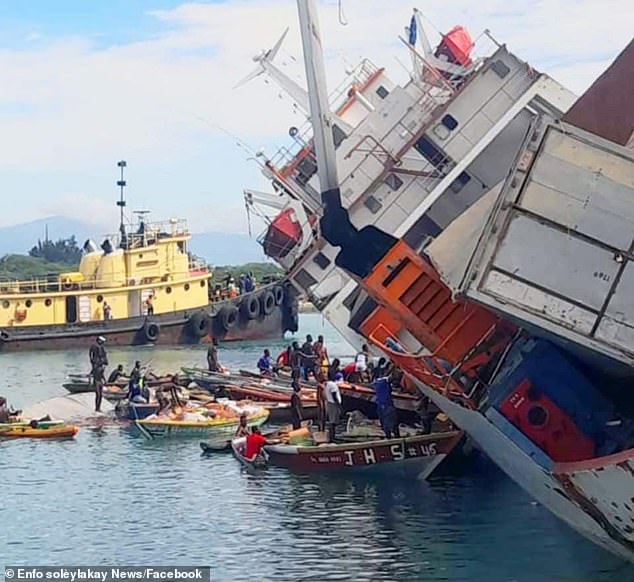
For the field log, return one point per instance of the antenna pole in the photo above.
(121, 202)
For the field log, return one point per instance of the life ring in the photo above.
(267, 302)
(67, 284)
(228, 317)
(199, 324)
(250, 307)
(278, 293)
(151, 331)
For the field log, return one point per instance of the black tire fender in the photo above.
(151, 331)
(228, 317)
(278, 293)
(199, 324)
(267, 302)
(250, 307)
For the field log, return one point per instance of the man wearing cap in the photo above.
(98, 363)
(333, 404)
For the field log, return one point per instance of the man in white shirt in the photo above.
(332, 396)
(361, 364)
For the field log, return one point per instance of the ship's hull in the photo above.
(560, 488)
(226, 320)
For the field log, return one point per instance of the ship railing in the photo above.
(57, 283)
(429, 368)
(288, 157)
(147, 233)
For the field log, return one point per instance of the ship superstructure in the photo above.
(402, 245)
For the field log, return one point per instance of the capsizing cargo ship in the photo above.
(475, 224)
(141, 286)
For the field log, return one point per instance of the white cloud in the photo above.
(81, 103)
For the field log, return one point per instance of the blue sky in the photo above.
(85, 83)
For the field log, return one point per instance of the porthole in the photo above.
(99, 298)
(186, 286)
(5, 304)
(29, 303)
(168, 290)
(202, 283)
(48, 302)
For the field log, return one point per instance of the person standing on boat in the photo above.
(385, 407)
(297, 412)
(309, 358)
(296, 360)
(333, 404)
(321, 354)
(98, 363)
(212, 356)
(149, 305)
(361, 364)
(107, 311)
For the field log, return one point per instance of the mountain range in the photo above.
(217, 248)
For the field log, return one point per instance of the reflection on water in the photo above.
(111, 497)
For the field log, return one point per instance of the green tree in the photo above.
(63, 250)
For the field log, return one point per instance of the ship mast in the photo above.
(360, 250)
(121, 202)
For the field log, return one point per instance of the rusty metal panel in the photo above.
(606, 492)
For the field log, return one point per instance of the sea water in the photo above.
(112, 498)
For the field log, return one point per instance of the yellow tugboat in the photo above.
(140, 286)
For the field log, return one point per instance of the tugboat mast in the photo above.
(121, 202)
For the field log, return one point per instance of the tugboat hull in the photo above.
(227, 320)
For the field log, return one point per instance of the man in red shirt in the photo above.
(254, 444)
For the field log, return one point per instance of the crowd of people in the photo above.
(311, 362)
(231, 287)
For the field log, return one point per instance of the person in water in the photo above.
(297, 410)
(116, 374)
(243, 428)
(265, 365)
(212, 356)
(255, 443)
(98, 363)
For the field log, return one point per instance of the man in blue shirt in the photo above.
(264, 364)
(385, 407)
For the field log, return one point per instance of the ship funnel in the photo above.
(90, 247)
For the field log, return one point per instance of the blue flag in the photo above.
(412, 30)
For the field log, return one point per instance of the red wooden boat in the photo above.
(419, 455)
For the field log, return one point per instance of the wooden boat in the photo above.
(196, 424)
(418, 455)
(20, 422)
(237, 447)
(354, 396)
(135, 410)
(40, 432)
(79, 383)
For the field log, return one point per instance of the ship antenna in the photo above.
(121, 202)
